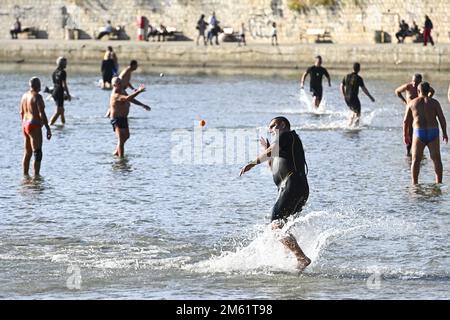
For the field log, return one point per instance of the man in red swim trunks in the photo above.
(33, 118)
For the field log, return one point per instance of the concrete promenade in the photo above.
(228, 58)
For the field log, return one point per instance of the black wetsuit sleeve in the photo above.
(361, 82)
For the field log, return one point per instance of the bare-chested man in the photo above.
(33, 118)
(411, 93)
(421, 114)
(125, 76)
(119, 109)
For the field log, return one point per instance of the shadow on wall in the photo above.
(41, 34)
(382, 37)
(83, 35)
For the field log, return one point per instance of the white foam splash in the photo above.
(314, 232)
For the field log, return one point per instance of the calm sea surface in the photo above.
(174, 220)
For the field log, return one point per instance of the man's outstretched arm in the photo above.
(264, 156)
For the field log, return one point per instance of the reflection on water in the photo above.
(33, 185)
(426, 191)
(122, 165)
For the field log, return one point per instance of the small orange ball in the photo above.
(202, 123)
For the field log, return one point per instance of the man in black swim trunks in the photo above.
(287, 161)
(350, 90)
(119, 109)
(59, 77)
(316, 73)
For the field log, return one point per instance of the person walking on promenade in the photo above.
(316, 73)
(350, 89)
(32, 114)
(287, 162)
(242, 35)
(16, 28)
(274, 37)
(423, 114)
(201, 27)
(428, 26)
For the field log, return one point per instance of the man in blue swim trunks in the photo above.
(423, 114)
(286, 159)
(410, 89)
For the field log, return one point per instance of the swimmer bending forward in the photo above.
(287, 161)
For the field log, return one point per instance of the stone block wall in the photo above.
(350, 21)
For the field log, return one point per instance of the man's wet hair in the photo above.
(356, 67)
(33, 81)
(424, 87)
(283, 119)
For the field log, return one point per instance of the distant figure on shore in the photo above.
(201, 27)
(162, 32)
(32, 114)
(411, 93)
(120, 108)
(288, 165)
(109, 67)
(59, 78)
(350, 89)
(421, 115)
(414, 30)
(213, 28)
(428, 26)
(242, 35)
(316, 73)
(274, 37)
(152, 32)
(107, 30)
(403, 32)
(125, 77)
(15, 29)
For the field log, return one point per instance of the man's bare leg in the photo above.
(417, 148)
(28, 152)
(63, 118)
(36, 144)
(316, 101)
(435, 154)
(292, 244)
(122, 137)
(54, 117)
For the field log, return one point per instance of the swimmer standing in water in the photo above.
(32, 113)
(421, 114)
(120, 108)
(287, 161)
(410, 89)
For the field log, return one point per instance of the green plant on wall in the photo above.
(302, 5)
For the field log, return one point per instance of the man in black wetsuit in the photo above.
(59, 77)
(287, 161)
(316, 73)
(350, 90)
